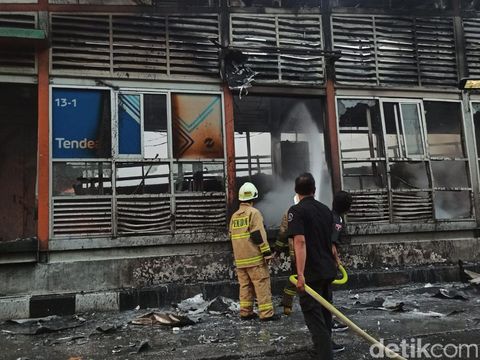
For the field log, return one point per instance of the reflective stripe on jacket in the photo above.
(244, 222)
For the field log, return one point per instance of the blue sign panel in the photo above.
(129, 117)
(78, 118)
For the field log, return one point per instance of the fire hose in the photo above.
(391, 354)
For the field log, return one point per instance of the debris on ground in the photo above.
(450, 294)
(399, 312)
(381, 304)
(166, 319)
(43, 325)
(222, 305)
(68, 339)
(197, 305)
(108, 328)
(474, 277)
(143, 346)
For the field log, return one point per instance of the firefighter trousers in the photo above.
(255, 281)
(290, 290)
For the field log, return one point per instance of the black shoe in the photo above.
(338, 327)
(336, 348)
(249, 317)
(271, 318)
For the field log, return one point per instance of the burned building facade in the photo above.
(123, 146)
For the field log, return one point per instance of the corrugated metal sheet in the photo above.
(17, 60)
(281, 48)
(135, 45)
(395, 51)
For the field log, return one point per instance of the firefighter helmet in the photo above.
(247, 192)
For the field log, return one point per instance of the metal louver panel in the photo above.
(80, 43)
(203, 211)
(139, 44)
(412, 206)
(17, 60)
(190, 50)
(253, 32)
(395, 51)
(436, 51)
(354, 37)
(369, 207)
(281, 47)
(82, 215)
(141, 215)
(472, 45)
(135, 45)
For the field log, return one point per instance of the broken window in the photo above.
(363, 175)
(144, 177)
(360, 129)
(199, 177)
(418, 183)
(81, 178)
(409, 175)
(444, 128)
(248, 143)
(453, 205)
(276, 139)
(450, 174)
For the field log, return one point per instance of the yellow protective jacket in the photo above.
(246, 221)
(283, 241)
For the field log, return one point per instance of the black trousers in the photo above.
(318, 319)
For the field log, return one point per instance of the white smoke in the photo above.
(277, 201)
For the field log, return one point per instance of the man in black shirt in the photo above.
(310, 224)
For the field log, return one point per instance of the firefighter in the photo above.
(283, 244)
(252, 255)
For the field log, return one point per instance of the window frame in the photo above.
(131, 158)
(425, 158)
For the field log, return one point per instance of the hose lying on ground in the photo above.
(389, 353)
